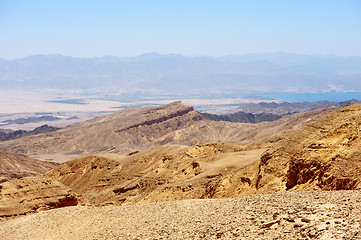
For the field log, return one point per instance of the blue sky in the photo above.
(214, 28)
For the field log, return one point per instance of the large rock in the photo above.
(29, 195)
(325, 154)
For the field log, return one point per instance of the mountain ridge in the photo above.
(320, 153)
(9, 135)
(130, 130)
(287, 108)
(14, 166)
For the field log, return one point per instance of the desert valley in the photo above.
(180, 120)
(170, 172)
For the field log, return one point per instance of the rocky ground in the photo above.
(296, 215)
(30, 195)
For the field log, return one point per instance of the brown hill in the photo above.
(30, 195)
(131, 130)
(325, 154)
(18, 166)
(161, 174)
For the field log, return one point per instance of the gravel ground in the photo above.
(297, 215)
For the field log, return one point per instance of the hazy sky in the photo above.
(88, 28)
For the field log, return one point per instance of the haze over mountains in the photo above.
(172, 152)
(147, 120)
(171, 72)
(287, 108)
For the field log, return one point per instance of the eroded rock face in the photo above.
(325, 154)
(30, 195)
(161, 174)
(123, 131)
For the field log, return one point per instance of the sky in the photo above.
(92, 28)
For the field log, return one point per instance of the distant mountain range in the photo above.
(271, 111)
(30, 120)
(9, 135)
(276, 72)
(286, 108)
(243, 117)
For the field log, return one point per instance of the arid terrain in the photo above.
(130, 130)
(296, 177)
(150, 120)
(297, 215)
(19, 166)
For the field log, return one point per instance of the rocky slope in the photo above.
(161, 174)
(129, 130)
(320, 153)
(18, 166)
(30, 195)
(325, 154)
(298, 215)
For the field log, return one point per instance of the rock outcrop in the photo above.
(161, 174)
(30, 195)
(325, 154)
